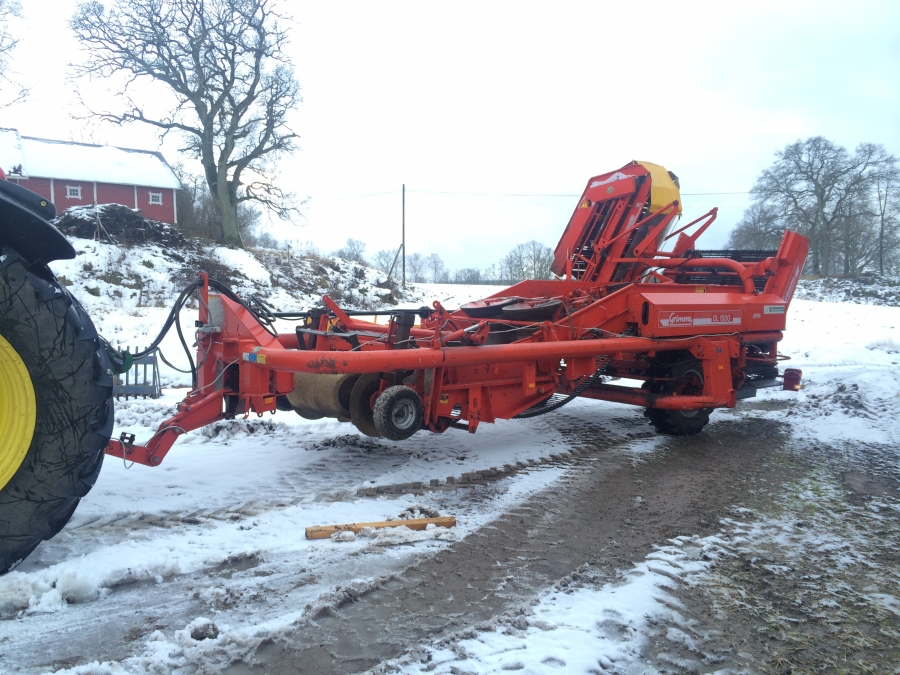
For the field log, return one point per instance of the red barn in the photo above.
(81, 174)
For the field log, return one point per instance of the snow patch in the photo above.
(888, 344)
(870, 289)
(578, 629)
(244, 261)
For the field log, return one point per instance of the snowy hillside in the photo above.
(128, 288)
(872, 289)
(151, 276)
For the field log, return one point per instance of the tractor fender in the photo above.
(25, 226)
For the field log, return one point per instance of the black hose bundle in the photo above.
(546, 406)
(122, 361)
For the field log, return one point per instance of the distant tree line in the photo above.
(846, 203)
(530, 260)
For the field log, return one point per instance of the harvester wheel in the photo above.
(361, 413)
(57, 413)
(678, 422)
(685, 378)
(398, 413)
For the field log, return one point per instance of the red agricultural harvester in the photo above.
(699, 329)
(682, 331)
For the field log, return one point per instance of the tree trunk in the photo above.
(230, 227)
(231, 235)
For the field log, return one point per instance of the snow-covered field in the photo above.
(222, 520)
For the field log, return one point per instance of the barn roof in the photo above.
(45, 158)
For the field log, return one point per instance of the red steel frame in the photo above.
(624, 304)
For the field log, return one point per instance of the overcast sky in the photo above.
(498, 98)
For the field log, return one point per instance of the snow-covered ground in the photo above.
(873, 289)
(228, 496)
(584, 629)
(222, 520)
(849, 356)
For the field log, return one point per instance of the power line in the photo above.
(490, 194)
(700, 194)
(567, 196)
(517, 194)
(371, 194)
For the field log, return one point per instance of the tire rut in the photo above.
(608, 512)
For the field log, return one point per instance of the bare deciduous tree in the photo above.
(383, 259)
(9, 9)
(415, 267)
(887, 208)
(224, 62)
(761, 228)
(352, 250)
(855, 236)
(530, 260)
(467, 275)
(812, 183)
(439, 271)
(197, 213)
(263, 239)
(491, 274)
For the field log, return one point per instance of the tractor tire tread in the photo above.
(71, 375)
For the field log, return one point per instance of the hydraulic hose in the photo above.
(122, 361)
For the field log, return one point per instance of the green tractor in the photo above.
(56, 405)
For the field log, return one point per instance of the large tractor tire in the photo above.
(57, 411)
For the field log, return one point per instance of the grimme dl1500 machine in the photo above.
(682, 331)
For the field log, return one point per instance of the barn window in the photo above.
(73, 191)
(156, 198)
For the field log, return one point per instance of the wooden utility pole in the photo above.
(403, 240)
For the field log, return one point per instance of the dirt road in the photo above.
(804, 579)
(610, 511)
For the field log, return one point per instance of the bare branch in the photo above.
(828, 194)
(224, 62)
(9, 9)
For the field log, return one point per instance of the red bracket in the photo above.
(194, 412)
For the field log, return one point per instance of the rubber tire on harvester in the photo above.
(680, 377)
(72, 381)
(361, 413)
(398, 413)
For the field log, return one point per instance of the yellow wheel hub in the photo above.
(18, 411)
